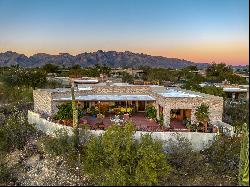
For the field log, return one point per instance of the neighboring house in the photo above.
(66, 81)
(167, 101)
(237, 92)
(233, 91)
(117, 72)
(244, 75)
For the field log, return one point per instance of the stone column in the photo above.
(54, 108)
(193, 118)
(157, 111)
(166, 117)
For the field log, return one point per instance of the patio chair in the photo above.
(126, 116)
(101, 126)
(93, 127)
(141, 129)
(83, 121)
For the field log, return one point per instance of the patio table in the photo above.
(117, 121)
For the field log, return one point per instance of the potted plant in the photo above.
(192, 127)
(160, 120)
(65, 112)
(150, 112)
(202, 116)
(186, 121)
(93, 111)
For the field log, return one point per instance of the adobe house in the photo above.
(171, 103)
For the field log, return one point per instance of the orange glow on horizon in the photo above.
(232, 54)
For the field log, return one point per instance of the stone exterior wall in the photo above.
(215, 106)
(121, 89)
(43, 100)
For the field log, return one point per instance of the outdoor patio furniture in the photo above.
(83, 121)
(100, 116)
(116, 119)
(101, 126)
(93, 127)
(106, 121)
(151, 128)
(126, 116)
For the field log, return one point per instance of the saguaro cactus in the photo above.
(75, 112)
(75, 126)
(244, 158)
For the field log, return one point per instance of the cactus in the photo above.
(75, 113)
(244, 159)
(75, 126)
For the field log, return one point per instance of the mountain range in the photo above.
(109, 58)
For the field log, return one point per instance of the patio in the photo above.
(138, 119)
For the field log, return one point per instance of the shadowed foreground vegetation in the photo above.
(29, 157)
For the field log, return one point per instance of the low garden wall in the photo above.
(198, 140)
(46, 126)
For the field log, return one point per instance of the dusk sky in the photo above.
(196, 30)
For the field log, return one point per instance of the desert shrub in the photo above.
(116, 158)
(15, 132)
(187, 164)
(216, 165)
(223, 155)
(6, 174)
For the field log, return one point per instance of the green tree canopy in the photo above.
(24, 77)
(126, 77)
(220, 72)
(50, 68)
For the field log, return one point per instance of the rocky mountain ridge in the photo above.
(109, 58)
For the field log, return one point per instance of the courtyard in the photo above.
(141, 123)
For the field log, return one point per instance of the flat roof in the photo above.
(168, 92)
(85, 88)
(108, 98)
(86, 81)
(177, 93)
(220, 123)
(234, 90)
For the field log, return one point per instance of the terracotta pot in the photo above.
(64, 121)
